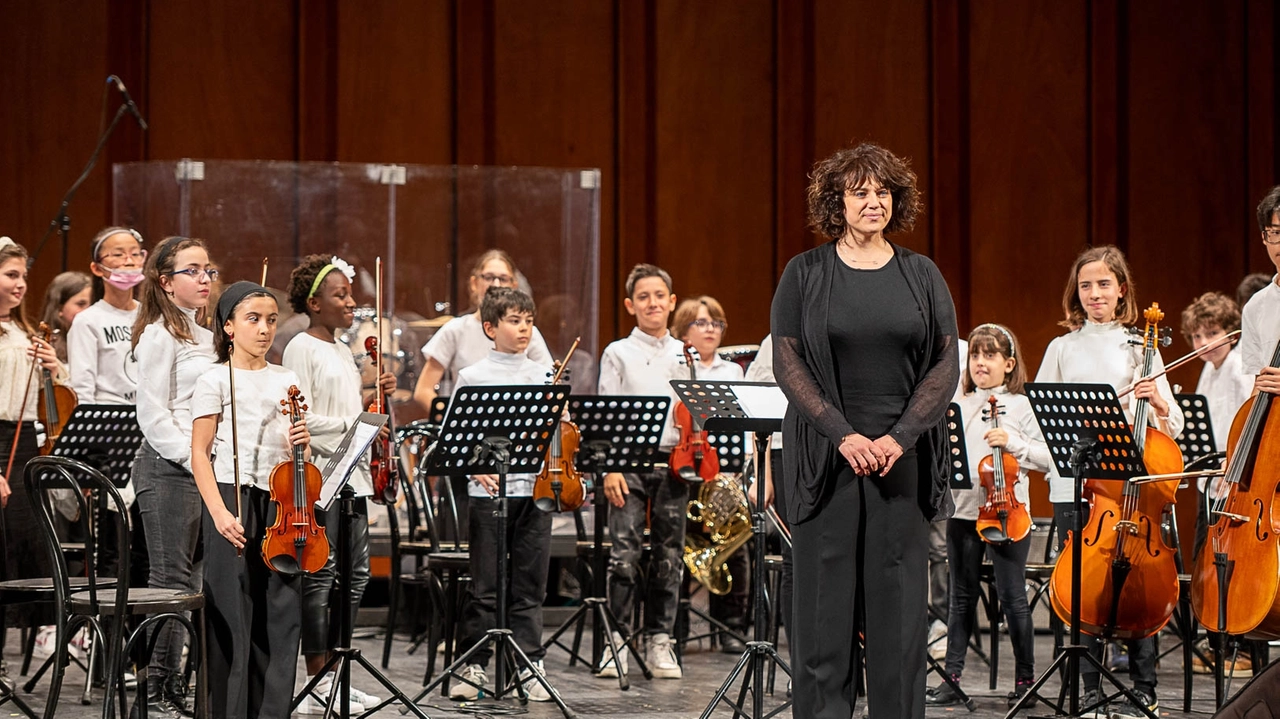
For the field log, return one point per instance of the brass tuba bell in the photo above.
(721, 508)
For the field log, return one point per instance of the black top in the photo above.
(877, 334)
(804, 364)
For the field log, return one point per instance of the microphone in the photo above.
(128, 101)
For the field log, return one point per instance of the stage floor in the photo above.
(589, 696)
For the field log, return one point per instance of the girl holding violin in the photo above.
(994, 376)
(253, 613)
(1099, 302)
(172, 348)
(328, 376)
(22, 352)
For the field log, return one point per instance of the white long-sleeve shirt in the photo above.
(1026, 444)
(1260, 328)
(99, 356)
(1225, 388)
(643, 365)
(1101, 354)
(330, 381)
(167, 372)
(501, 368)
(461, 342)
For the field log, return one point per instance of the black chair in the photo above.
(97, 607)
(413, 543)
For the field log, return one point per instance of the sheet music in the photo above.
(761, 401)
(338, 470)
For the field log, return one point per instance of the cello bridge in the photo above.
(1127, 526)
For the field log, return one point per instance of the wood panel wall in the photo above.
(1036, 127)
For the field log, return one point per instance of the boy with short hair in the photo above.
(1222, 381)
(643, 363)
(507, 316)
(1260, 318)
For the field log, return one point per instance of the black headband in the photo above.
(233, 296)
(168, 247)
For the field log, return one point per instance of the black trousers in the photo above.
(965, 550)
(529, 547)
(1142, 652)
(320, 590)
(861, 562)
(253, 618)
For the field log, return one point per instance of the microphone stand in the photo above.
(61, 222)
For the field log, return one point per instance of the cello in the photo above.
(1001, 518)
(1234, 579)
(559, 487)
(693, 459)
(1129, 569)
(296, 542)
(57, 401)
(384, 467)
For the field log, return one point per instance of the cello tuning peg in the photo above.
(1166, 340)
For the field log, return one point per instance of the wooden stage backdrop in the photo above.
(1036, 127)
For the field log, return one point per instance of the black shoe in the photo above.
(1020, 689)
(175, 693)
(158, 707)
(942, 695)
(1130, 710)
(730, 644)
(1093, 704)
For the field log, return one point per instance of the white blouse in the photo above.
(15, 369)
(167, 372)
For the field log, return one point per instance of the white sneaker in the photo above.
(662, 657)
(44, 642)
(937, 640)
(532, 687)
(462, 691)
(369, 701)
(607, 668)
(318, 699)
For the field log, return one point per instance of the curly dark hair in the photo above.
(301, 278)
(848, 169)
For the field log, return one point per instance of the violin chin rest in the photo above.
(284, 564)
(994, 535)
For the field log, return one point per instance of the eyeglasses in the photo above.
(717, 325)
(198, 275)
(1271, 235)
(493, 279)
(138, 256)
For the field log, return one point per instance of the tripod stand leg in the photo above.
(720, 695)
(575, 620)
(950, 681)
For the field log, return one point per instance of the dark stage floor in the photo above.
(704, 671)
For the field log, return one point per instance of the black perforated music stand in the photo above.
(497, 430)
(957, 451)
(619, 434)
(1196, 439)
(1088, 436)
(717, 404)
(103, 436)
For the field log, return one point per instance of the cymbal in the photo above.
(433, 323)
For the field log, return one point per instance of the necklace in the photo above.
(849, 249)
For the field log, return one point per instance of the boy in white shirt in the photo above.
(507, 316)
(642, 364)
(1260, 318)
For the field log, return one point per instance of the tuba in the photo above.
(721, 508)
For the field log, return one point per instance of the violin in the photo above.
(1234, 579)
(1001, 518)
(693, 459)
(559, 487)
(56, 402)
(295, 542)
(1128, 571)
(385, 465)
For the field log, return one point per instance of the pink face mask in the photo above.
(124, 279)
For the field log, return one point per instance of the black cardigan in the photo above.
(805, 370)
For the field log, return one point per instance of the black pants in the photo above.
(320, 589)
(862, 562)
(25, 553)
(1142, 652)
(253, 618)
(529, 548)
(965, 550)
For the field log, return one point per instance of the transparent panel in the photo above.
(428, 223)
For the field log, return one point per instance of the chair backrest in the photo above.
(43, 477)
(417, 489)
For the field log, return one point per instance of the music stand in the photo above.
(498, 429)
(337, 474)
(1088, 436)
(720, 405)
(103, 436)
(619, 434)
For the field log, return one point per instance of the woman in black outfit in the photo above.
(864, 336)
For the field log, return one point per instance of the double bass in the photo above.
(1001, 518)
(1128, 568)
(559, 486)
(384, 467)
(1234, 580)
(693, 459)
(57, 401)
(296, 542)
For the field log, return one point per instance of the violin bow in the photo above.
(235, 438)
(17, 432)
(264, 272)
(377, 361)
(1181, 361)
